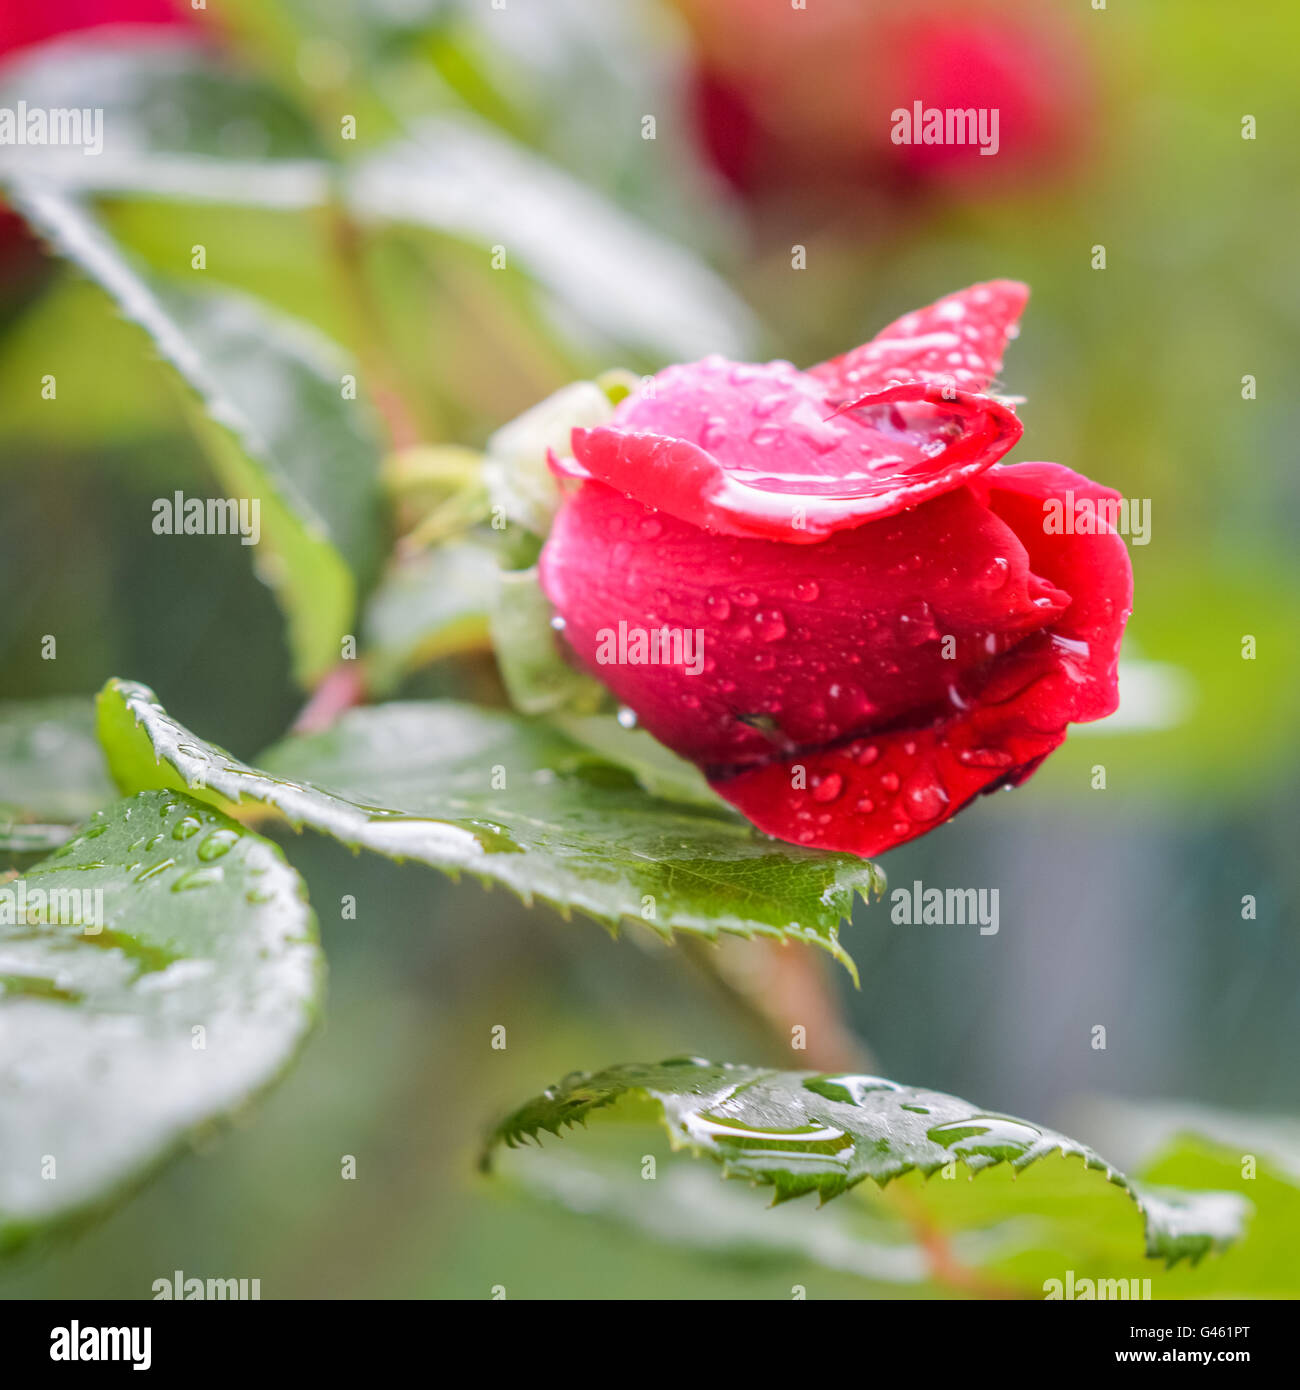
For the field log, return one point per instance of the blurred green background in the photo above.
(1119, 907)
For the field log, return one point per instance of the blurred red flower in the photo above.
(803, 100)
(24, 24)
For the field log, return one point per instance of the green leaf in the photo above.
(685, 1207)
(427, 606)
(161, 919)
(52, 769)
(533, 669)
(275, 421)
(181, 124)
(801, 1132)
(458, 176)
(178, 122)
(510, 801)
(660, 771)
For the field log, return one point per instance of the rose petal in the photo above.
(797, 647)
(757, 451)
(959, 340)
(1093, 568)
(868, 795)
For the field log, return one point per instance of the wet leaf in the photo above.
(178, 122)
(156, 973)
(535, 673)
(800, 1132)
(427, 606)
(510, 801)
(52, 770)
(458, 176)
(274, 416)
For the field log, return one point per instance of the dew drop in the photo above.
(216, 844)
(984, 757)
(828, 788)
(714, 433)
(718, 607)
(995, 574)
(196, 878)
(924, 797)
(770, 625)
(808, 591)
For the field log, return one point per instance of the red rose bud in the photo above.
(1017, 71)
(824, 589)
(809, 100)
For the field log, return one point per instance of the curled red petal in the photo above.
(958, 340)
(789, 647)
(869, 794)
(1063, 521)
(782, 464)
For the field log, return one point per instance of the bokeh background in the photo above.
(1121, 128)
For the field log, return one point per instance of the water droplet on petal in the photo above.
(770, 625)
(808, 591)
(995, 574)
(984, 757)
(828, 788)
(924, 797)
(718, 607)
